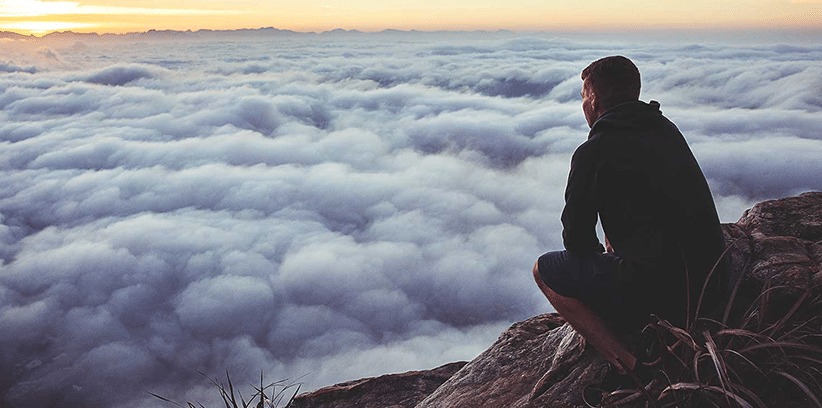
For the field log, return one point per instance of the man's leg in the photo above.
(589, 325)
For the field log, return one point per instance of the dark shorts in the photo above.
(595, 281)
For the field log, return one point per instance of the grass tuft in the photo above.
(766, 355)
(267, 396)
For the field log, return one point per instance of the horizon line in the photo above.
(422, 31)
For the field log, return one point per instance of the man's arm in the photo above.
(579, 217)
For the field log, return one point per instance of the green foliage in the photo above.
(271, 400)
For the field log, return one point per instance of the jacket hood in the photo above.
(628, 115)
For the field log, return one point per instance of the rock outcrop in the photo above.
(542, 362)
(778, 243)
(387, 391)
(536, 363)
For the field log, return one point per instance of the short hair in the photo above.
(613, 80)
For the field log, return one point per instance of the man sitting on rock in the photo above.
(638, 175)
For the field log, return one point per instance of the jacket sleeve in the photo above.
(579, 217)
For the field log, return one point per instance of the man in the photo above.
(638, 175)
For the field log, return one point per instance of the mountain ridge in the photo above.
(206, 33)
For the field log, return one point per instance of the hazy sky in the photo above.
(39, 16)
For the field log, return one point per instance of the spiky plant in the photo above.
(278, 392)
(761, 358)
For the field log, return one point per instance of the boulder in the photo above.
(387, 391)
(536, 363)
(777, 243)
(799, 216)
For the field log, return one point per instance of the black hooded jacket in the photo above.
(637, 173)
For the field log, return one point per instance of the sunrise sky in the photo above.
(39, 16)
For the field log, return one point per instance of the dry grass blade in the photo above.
(688, 322)
(261, 392)
(225, 399)
(672, 353)
(713, 321)
(678, 333)
(781, 345)
(677, 401)
(764, 303)
(719, 364)
(188, 404)
(781, 323)
(219, 387)
(799, 328)
(621, 397)
(799, 383)
(747, 360)
(701, 387)
(809, 359)
(231, 389)
(744, 333)
(293, 396)
(167, 400)
(697, 356)
(751, 396)
(732, 297)
(759, 307)
(708, 281)
(638, 383)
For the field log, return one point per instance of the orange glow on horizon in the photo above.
(41, 16)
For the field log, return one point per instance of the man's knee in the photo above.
(547, 291)
(543, 287)
(537, 276)
(558, 301)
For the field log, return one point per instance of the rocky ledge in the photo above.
(542, 362)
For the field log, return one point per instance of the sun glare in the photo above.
(39, 17)
(41, 27)
(34, 8)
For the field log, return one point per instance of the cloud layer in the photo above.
(325, 208)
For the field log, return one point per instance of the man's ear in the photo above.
(595, 105)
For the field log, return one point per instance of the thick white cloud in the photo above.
(324, 208)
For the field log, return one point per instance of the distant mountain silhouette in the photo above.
(14, 36)
(154, 34)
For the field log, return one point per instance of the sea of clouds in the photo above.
(325, 207)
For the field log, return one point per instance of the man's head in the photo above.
(607, 82)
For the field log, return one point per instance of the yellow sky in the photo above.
(119, 16)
